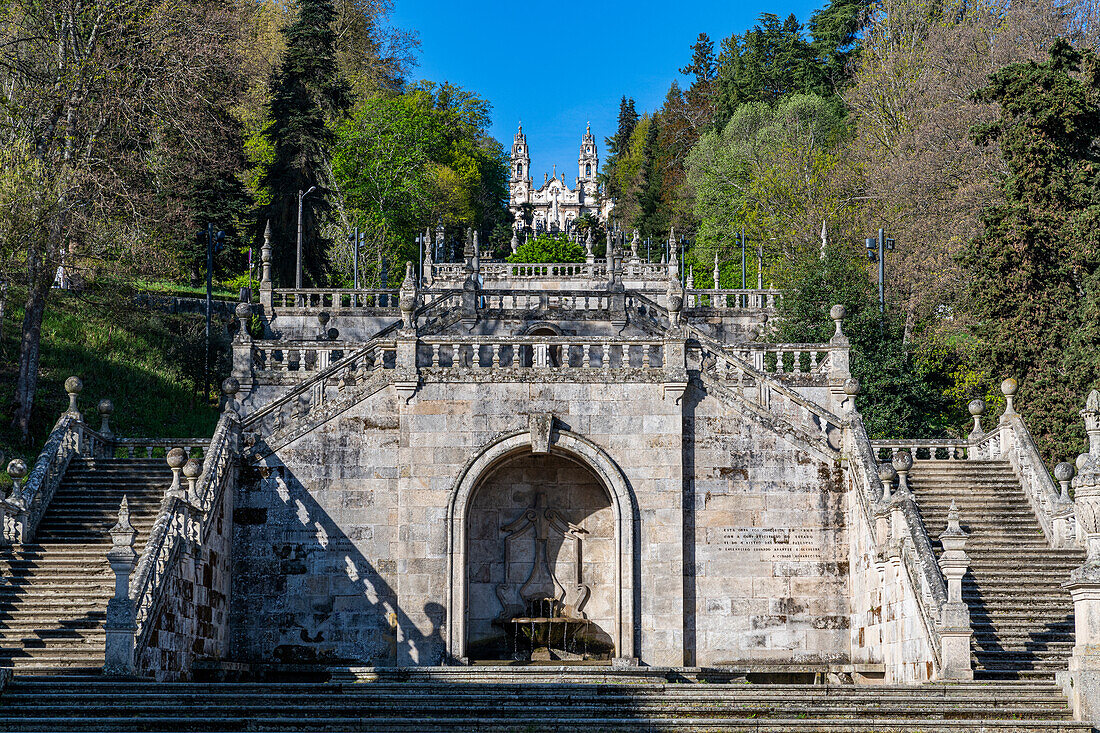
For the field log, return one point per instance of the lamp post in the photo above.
(212, 237)
(298, 269)
(876, 252)
(743, 283)
(357, 238)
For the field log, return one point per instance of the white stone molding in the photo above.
(563, 443)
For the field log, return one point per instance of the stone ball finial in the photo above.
(887, 473)
(17, 469)
(73, 385)
(323, 318)
(1064, 471)
(192, 469)
(851, 387)
(230, 386)
(838, 312)
(1009, 387)
(902, 461)
(976, 407)
(176, 458)
(243, 310)
(105, 407)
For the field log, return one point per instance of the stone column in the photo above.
(73, 385)
(265, 277)
(242, 345)
(1082, 680)
(675, 367)
(106, 409)
(839, 371)
(1063, 525)
(120, 626)
(17, 470)
(977, 409)
(955, 631)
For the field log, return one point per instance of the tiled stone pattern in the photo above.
(193, 621)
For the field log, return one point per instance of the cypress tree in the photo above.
(306, 91)
(1033, 269)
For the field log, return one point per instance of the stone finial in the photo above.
(1008, 389)
(122, 534)
(230, 387)
(408, 294)
(717, 273)
(73, 385)
(953, 529)
(191, 471)
(17, 469)
(673, 261)
(106, 408)
(852, 389)
(902, 462)
(675, 297)
(1064, 472)
(838, 313)
(635, 242)
(977, 409)
(588, 244)
(1091, 416)
(515, 241)
(243, 311)
(887, 474)
(265, 256)
(175, 459)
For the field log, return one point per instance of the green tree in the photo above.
(307, 91)
(548, 248)
(1033, 270)
(616, 146)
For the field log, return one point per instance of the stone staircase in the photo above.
(1021, 616)
(54, 592)
(75, 704)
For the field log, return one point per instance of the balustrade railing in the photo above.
(300, 358)
(184, 521)
(789, 359)
(540, 353)
(63, 443)
(923, 450)
(573, 300)
(732, 299)
(335, 299)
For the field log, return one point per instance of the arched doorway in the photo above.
(582, 467)
(541, 562)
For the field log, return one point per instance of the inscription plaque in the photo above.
(772, 543)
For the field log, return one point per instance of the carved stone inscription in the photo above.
(772, 543)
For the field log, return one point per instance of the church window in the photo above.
(519, 169)
(588, 169)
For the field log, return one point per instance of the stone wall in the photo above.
(193, 620)
(766, 531)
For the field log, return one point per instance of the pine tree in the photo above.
(1034, 268)
(307, 91)
(617, 144)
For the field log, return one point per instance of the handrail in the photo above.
(182, 518)
(36, 494)
(915, 547)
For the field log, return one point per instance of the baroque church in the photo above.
(554, 206)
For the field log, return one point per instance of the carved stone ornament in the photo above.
(540, 426)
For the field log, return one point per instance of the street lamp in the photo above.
(878, 254)
(298, 269)
(357, 239)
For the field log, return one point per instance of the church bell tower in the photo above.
(588, 164)
(520, 180)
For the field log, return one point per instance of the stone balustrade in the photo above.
(550, 352)
(334, 299)
(306, 358)
(732, 299)
(572, 300)
(785, 359)
(922, 450)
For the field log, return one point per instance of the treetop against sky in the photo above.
(555, 66)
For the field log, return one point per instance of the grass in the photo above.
(143, 360)
(167, 288)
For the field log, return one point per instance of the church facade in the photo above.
(554, 206)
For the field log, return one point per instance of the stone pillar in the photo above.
(1008, 389)
(955, 631)
(176, 458)
(17, 470)
(265, 277)
(1082, 680)
(674, 297)
(977, 409)
(839, 371)
(675, 367)
(1063, 525)
(120, 626)
(408, 298)
(73, 385)
(242, 345)
(106, 409)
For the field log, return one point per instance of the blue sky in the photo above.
(555, 65)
